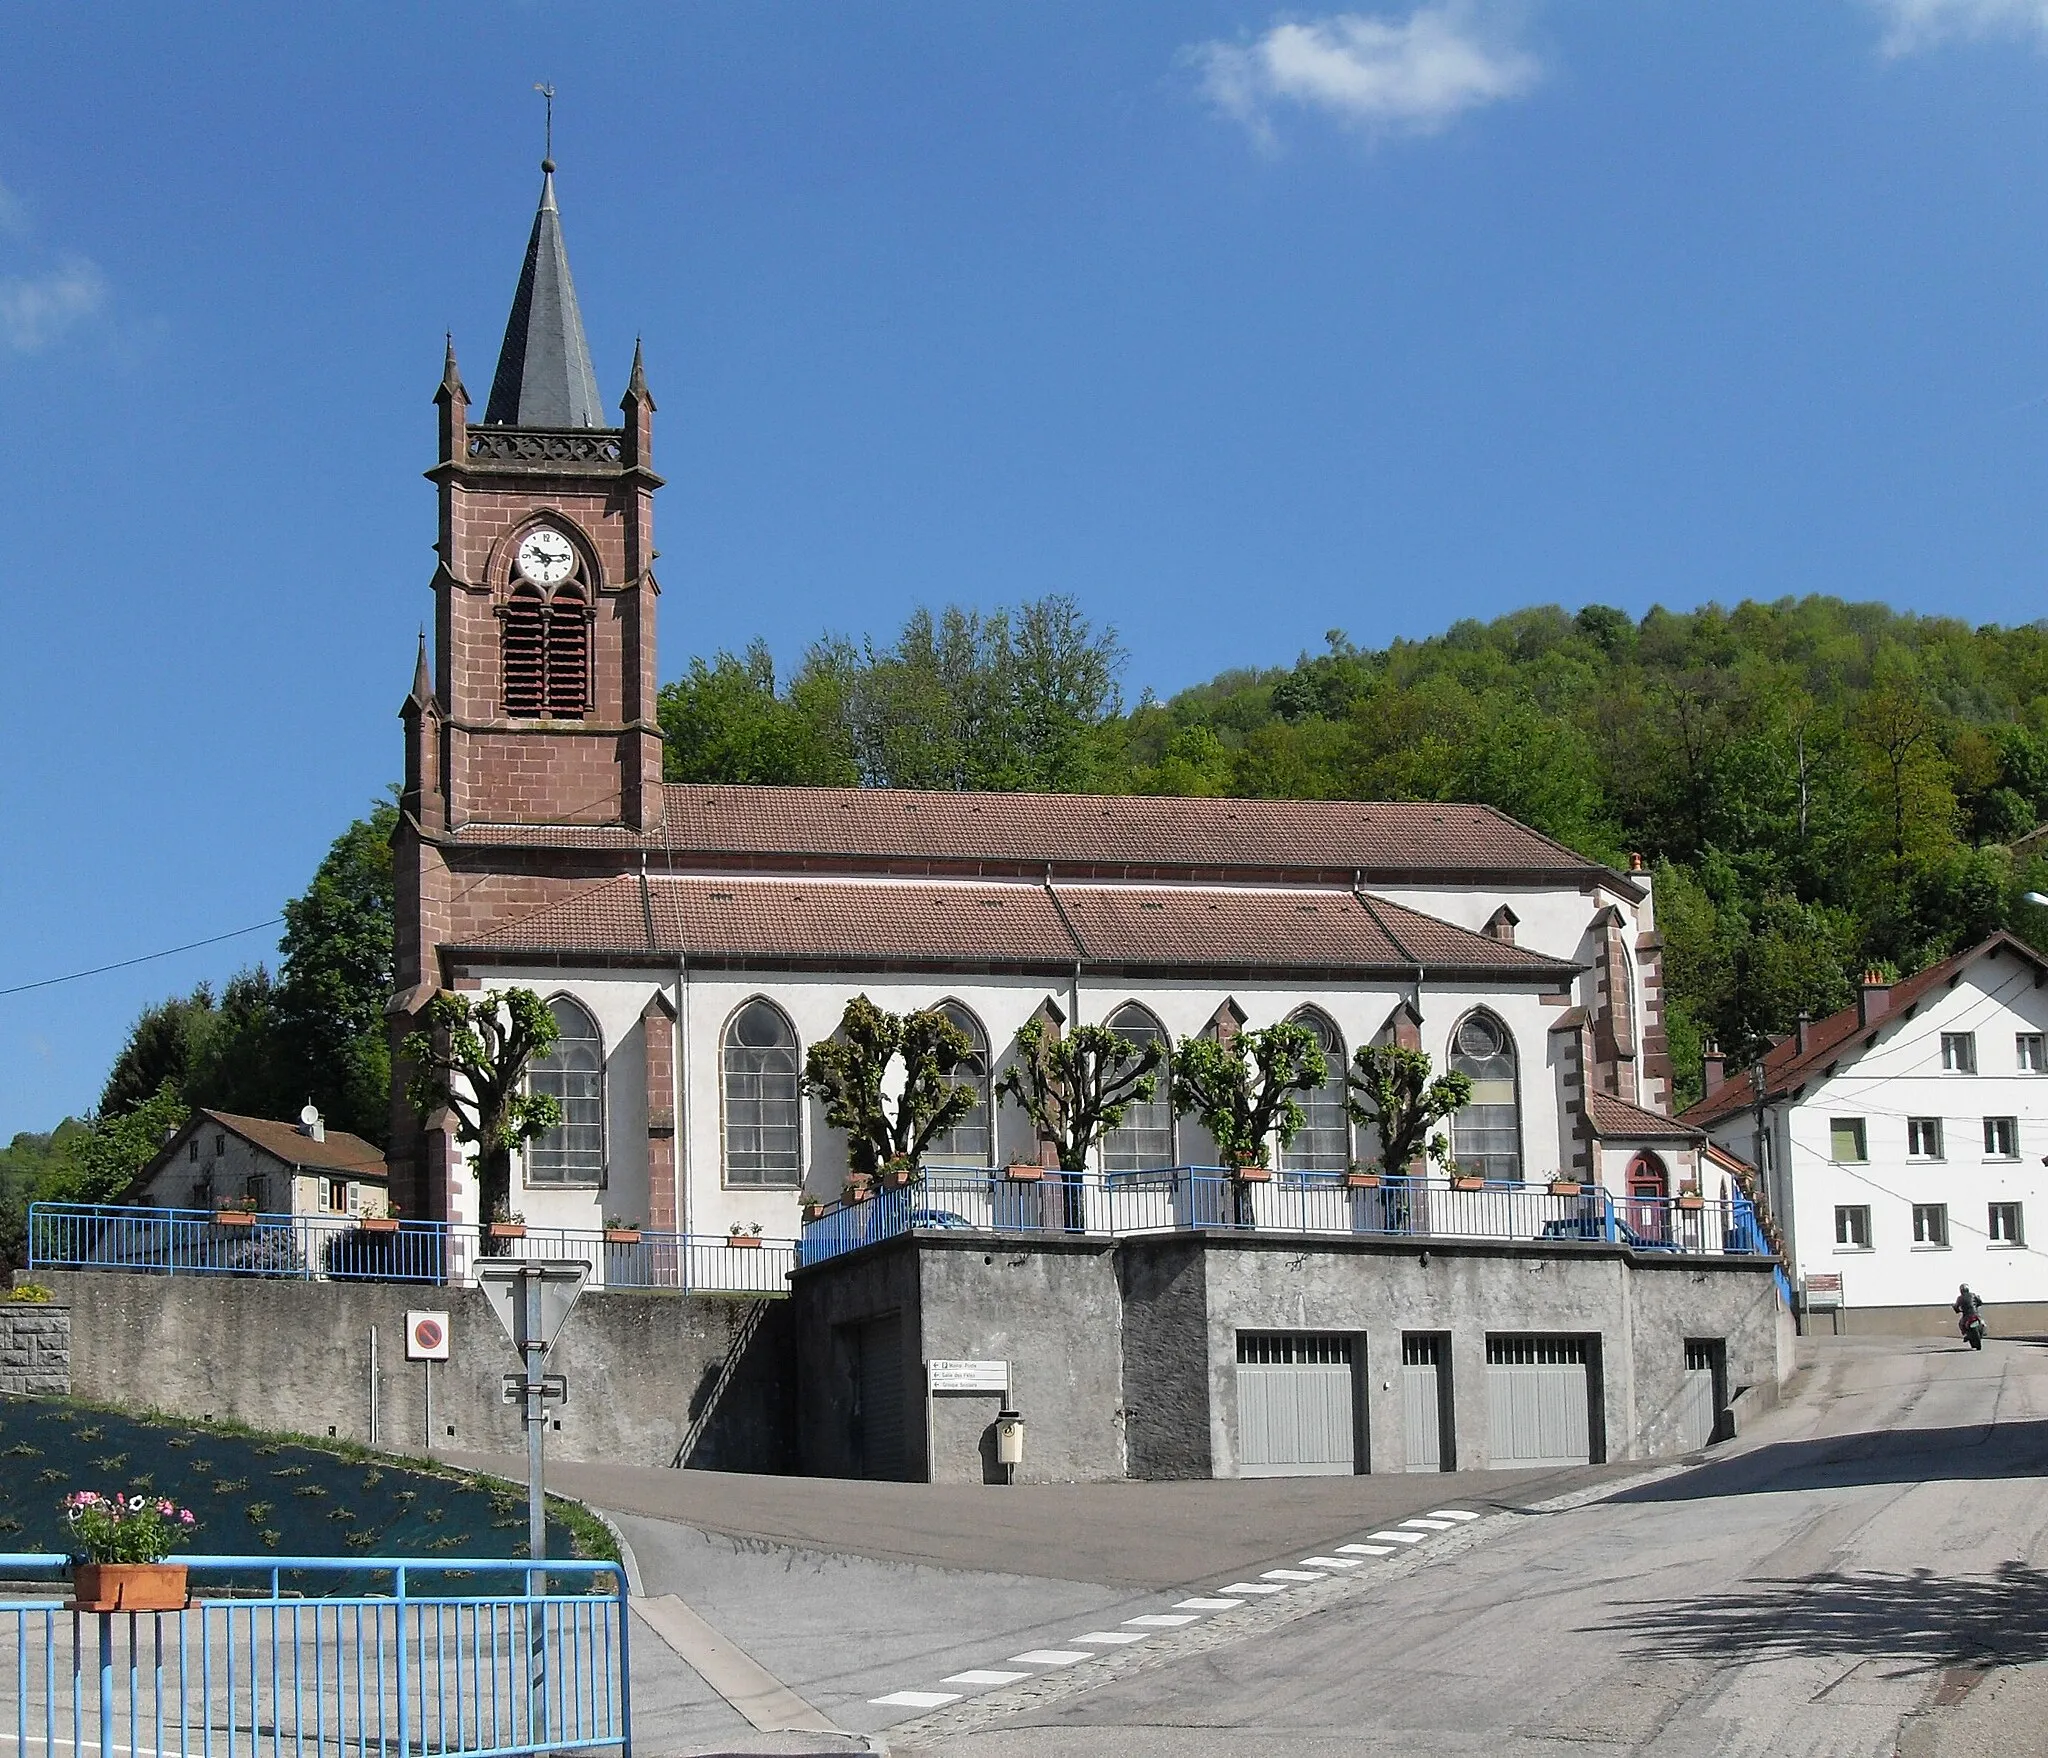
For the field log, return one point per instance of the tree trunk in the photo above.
(494, 1186)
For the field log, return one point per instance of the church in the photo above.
(693, 940)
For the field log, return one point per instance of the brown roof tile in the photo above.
(1071, 832)
(1613, 1116)
(340, 1152)
(1015, 924)
(1786, 1066)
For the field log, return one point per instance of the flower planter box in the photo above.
(379, 1224)
(1692, 1202)
(1565, 1187)
(507, 1230)
(896, 1180)
(1361, 1181)
(743, 1242)
(859, 1187)
(622, 1236)
(131, 1587)
(234, 1217)
(1468, 1184)
(1253, 1175)
(1025, 1172)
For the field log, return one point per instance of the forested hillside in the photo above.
(1819, 786)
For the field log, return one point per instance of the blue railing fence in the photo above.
(1207, 1198)
(434, 1666)
(344, 1248)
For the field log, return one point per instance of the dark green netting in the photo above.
(256, 1496)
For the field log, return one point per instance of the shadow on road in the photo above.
(1920, 1617)
(1907, 1455)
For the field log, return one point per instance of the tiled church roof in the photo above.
(822, 827)
(918, 922)
(1617, 1117)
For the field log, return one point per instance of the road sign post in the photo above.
(532, 1301)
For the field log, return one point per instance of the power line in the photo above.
(146, 958)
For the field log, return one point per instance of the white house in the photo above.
(218, 1159)
(1900, 1143)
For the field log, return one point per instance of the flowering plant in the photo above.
(126, 1529)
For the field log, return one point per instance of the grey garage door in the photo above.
(879, 1395)
(1538, 1410)
(1422, 1402)
(1296, 1405)
(1699, 1402)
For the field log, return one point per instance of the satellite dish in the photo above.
(310, 1115)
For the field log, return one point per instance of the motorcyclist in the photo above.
(1969, 1310)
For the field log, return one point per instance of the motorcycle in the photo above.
(1972, 1328)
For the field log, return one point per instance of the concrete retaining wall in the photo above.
(35, 1350)
(642, 1368)
(2013, 1318)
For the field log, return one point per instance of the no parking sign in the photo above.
(426, 1336)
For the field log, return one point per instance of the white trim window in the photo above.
(1923, 1138)
(2001, 1138)
(1143, 1142)
(763, 1098)
(1930, 1226)
(2007, 1225)
(971, 1141)
(572, 1074)
(1959, 1052)
(1852, 1227)
(1486, 1134)
(1847, 1142)
(2030, 1052)
(1322, 1148)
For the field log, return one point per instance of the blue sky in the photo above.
(1240, 325)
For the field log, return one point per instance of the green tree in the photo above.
(159, 1051)
(1076, 1086)
(1389, 1090)
(103, 1160)
(851, 1072)
(1244, 1088)
(725, 721)
(471, 1059)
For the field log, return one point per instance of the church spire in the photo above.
(544, 376)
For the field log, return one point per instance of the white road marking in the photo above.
(1207, 1604)
(985, 1676)
(1253, 1587)
(1163, 1620)
(1329, 1562)
(1051, 1657)
(1367, 1550)
(1291, 1575)
(1400, 1537)
(1110, 1638)
(1430, 1525)
(1451, 1514)
(916, 1699)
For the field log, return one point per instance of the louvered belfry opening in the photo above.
(547, 652)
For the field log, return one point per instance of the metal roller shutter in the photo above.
(1538, 1407)
(1296, 1405)
(880, 1391)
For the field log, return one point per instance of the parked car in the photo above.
(942, 1218)
(1593, 1225)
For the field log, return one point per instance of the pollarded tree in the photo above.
(471, 1058)
(1242, 1087)
(1388, 1087)
(849, 1071)
(1076, 1088)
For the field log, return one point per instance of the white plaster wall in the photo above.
(1902, 1078)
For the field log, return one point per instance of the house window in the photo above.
(1959, 1052)
(2001, 1138)
(572, 1074)
(1845, 1139)
(1923, 1137)
(2031, 1052)
(1144, 1140)
(193, 1147)
(1852, 1227)
(220, 1146)
(1930, 1223)
(971, 1141)
(2006, 1224)
(1486, 1136)
(1323, 1146)
(337, 1195)
(763, 1103)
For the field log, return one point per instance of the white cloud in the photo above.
(1912, 25)
(1410, 75)
(36, 309)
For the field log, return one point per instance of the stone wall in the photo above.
(644, 1370)
(35, 1350)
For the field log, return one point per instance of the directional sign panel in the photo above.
(426, 1336)
(554, 1389)
(504, 1282)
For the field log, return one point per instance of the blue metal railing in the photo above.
(343, 1248)
(478, 1674)
(1207, 1198)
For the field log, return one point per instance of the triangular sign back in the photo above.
(504, 1282)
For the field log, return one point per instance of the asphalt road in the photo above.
(1862, 1578)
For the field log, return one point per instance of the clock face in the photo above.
(545, 558)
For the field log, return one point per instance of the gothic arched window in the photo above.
(1486, 1136)
(1144, 1140)
(971, 1141)
(763, 1098)
(545, 630)
(572, 1072)
(1324, 1144)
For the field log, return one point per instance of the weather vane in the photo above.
(548, 92)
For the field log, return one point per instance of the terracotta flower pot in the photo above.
(133, 1587)
(1253, 1175)
(1565, 1187)
(622, 1236)
(1024, 1172)
(895, 1180)
(1361, 1181)
(743, 1241)
(379, 1224)
(508, 1230)
(234, 1218)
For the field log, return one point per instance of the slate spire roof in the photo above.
(544, 376)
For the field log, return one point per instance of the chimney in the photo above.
(1635, 862)
(1714, 1066)
(1803, 1031)
(311, 1124)
(1873, 998)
